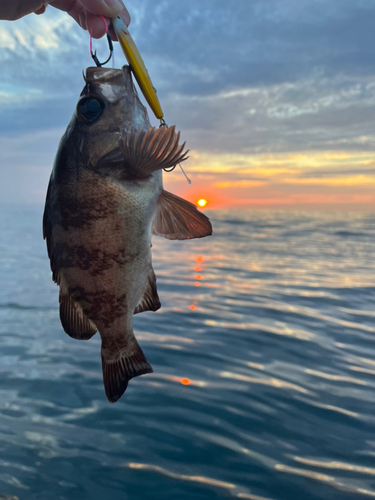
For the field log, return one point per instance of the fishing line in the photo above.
(163, 124)
(183, 171)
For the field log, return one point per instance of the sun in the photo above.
(202, 202)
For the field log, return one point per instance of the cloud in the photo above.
(243, 183)
(268, 71)
(311, 114)
(263, 91)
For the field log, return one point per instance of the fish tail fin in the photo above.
(121, 366)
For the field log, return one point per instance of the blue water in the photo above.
(279, 352)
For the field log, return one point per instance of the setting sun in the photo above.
(202, 202)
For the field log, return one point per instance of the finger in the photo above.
(66, 5)
(95, 25)
(72, 7)
(41, 10)
(96, 7)
(11, 10)
(125, 16)
(112, 34)
(105, 8)
(76, 10)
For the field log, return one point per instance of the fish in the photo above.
(105, 200)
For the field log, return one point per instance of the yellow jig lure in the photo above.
(138, 67)
(140, 72)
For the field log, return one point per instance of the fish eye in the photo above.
(90, 108)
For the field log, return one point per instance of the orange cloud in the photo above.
(309, 179)
(238, 184)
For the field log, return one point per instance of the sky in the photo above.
(275, 98)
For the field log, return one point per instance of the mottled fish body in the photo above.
(105, 199)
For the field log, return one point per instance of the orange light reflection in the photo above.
(185, 381)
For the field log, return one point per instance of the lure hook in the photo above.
(110, 45)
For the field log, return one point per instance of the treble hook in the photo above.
(110, 45)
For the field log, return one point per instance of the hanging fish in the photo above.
(105, 199)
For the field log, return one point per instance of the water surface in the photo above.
(271, 321)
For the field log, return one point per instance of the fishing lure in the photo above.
(138, 67)
(140, 72)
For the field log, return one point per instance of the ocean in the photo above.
(264, 369)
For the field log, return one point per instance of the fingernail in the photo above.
(114, 5)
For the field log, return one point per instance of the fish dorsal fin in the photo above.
(75, 323)
(178, 219)
(142, 152)
(47, 235)
(150, 299)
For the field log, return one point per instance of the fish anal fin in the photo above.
(178, 219)
(150, 299)
(75, 323)
(120, 367)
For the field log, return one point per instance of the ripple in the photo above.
(205, 481)
(335, 378)
(333, 408)
(335, 465)
(182, 477)
(273, 382)
(263, 383)
(330, 480)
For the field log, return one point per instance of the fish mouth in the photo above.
(104, 75)
(112, 84)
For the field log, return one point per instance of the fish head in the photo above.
(108, 106)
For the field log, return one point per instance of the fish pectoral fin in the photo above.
(142, 152)
(121, 366)
(178, 219)
(75, 323)
(149, 150)
(150, 299)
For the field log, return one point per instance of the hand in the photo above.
(86, 12)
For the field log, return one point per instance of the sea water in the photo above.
(264, 369)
